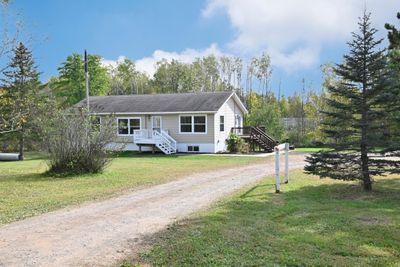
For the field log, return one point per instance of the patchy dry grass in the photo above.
(312, 223)
(25, 191)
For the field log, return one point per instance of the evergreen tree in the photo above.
(354, 121)
(393, 35)
(394, 68)
(21, 84)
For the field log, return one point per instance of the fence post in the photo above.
(286, 163)
(277, 178)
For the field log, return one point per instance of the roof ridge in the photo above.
(186, 93)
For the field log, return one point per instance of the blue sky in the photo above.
(299, 35)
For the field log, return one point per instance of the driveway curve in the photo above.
(102, 233)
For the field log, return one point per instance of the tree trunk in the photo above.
(367, 183)
(21, 144)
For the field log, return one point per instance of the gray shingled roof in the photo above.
(185, 102)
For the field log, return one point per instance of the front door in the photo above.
(156, 123)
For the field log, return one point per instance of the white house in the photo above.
(187, 122)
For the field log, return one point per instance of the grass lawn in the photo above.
(25, 192)
(308, 149)
(312, 223)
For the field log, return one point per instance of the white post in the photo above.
(277, 178)
(87, 81)
(286, 163)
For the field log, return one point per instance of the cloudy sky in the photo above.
(299, 35)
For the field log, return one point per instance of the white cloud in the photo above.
(112, 63)
(147, 64)
(294, 31)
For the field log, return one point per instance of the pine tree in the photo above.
(394, 67)
(21, 83)
(393, 35)
(354, 121)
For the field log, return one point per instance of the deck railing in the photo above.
(155, 137)
(246, 130)
(256, 135)
(142, 134)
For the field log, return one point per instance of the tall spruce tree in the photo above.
(21, 82)
(355, 120)
(394, 67)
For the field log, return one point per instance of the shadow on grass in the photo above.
(323, 225)
(135, 154)
(40, 177)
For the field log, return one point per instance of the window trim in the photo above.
(193, 115)
(222, 123)
(129, 124)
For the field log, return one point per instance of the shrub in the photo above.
(236, 144)
(77, 145)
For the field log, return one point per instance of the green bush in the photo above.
(236, 144)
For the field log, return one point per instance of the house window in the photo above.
(134, 124)
(193, 149)
(126, 126)
(199, 124)
(186, 124)
(221, 123)
(193, 124)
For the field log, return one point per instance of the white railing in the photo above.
(160, 138)
(169, 138)
(141, 134)
(164, 140)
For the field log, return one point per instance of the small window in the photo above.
(221, 123)
(186, 124)
(199, 124)
(123, 126)
(193, 149)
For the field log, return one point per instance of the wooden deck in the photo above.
(256, 137)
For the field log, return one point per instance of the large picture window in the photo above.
(126, 126)
(193, 124)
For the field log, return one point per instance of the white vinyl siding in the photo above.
(228, 111)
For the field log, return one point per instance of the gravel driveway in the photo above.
(102, 233)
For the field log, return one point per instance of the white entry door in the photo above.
(156, 123)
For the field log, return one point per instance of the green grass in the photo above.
(312, 223)
(308, 149)
(25, 191)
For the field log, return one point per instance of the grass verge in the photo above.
(313, 223)
(25, 191)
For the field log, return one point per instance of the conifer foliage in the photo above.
(355, 121)
(19, 95)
